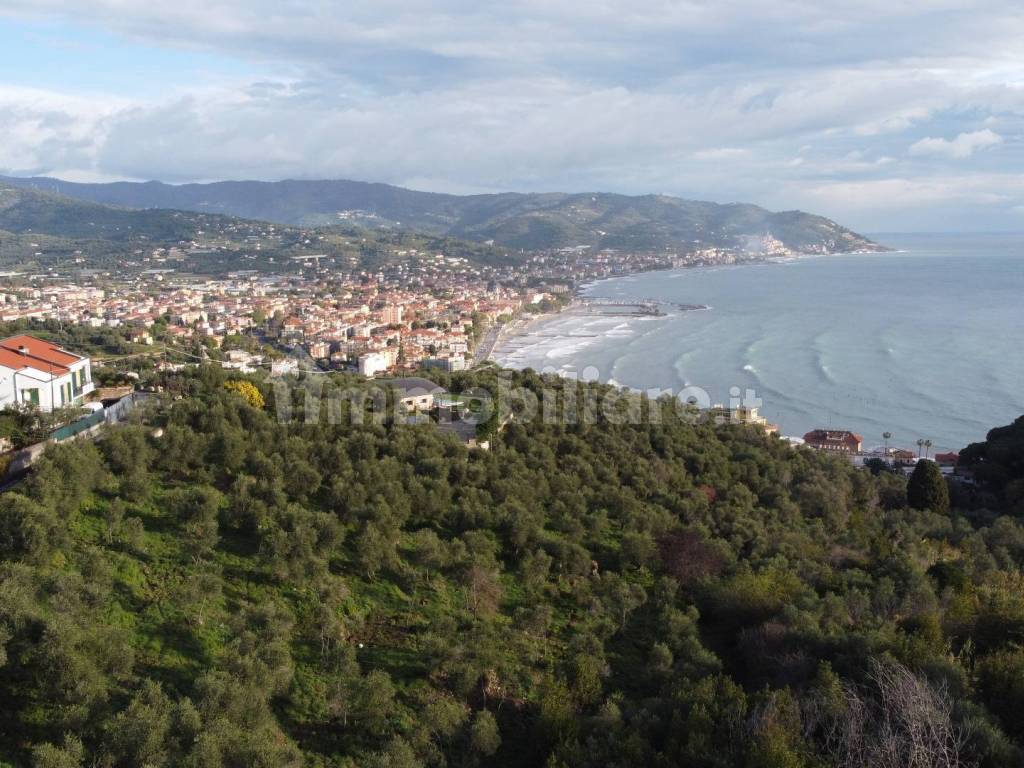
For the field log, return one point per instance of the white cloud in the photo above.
(539, 132)
(791, 103)
(44, 130)
(968, 202)
(963, 146)
(720, 153)
(598, 38)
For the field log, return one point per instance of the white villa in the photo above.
(37, 373)
(415, 394)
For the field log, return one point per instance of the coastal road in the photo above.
(486, 346)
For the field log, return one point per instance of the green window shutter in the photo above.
(33, 396)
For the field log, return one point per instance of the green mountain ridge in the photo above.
(35, 221)
(517, 220)
(27, 210)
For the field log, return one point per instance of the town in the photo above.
(416, 309)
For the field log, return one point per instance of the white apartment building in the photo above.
(373, 363)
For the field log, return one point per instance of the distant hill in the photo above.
(530, 221)
(41, 228)
(25, 210)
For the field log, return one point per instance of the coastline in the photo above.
(581, 307)
(522, 326)
(812, 366)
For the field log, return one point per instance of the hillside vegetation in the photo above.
(43, 229)
(530, 221)
(239, 591)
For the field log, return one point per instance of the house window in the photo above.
(30, 396)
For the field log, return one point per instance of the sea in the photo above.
(924, 342)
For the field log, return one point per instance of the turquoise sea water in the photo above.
(926, 342)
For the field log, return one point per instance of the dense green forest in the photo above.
(215, 587)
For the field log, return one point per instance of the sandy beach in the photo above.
(521, 327)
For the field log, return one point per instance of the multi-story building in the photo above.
(373, 363)
(741, 414)
(450, 364)
(834, 441)
(37, 373)
(319, 350)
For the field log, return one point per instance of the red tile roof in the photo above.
(25, 351)
(832, 437)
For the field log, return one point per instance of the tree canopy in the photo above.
(217, 587)
(927, 488)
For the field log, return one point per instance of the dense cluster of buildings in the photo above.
(350, 321)
(418, 309)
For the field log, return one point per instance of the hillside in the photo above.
(26, 210)
(530, 221)
(237, 590)
(41, 228)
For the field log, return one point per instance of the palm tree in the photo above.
(886, 436)
(920, 445)
(927, 447)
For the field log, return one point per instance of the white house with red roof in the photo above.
(37, 373)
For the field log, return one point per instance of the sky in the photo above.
(886, 116)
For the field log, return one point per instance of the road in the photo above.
(486, 346)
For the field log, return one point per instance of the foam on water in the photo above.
(906, 342)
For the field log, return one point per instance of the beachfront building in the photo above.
(834, 441)
(742, 414)
(39, 374)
